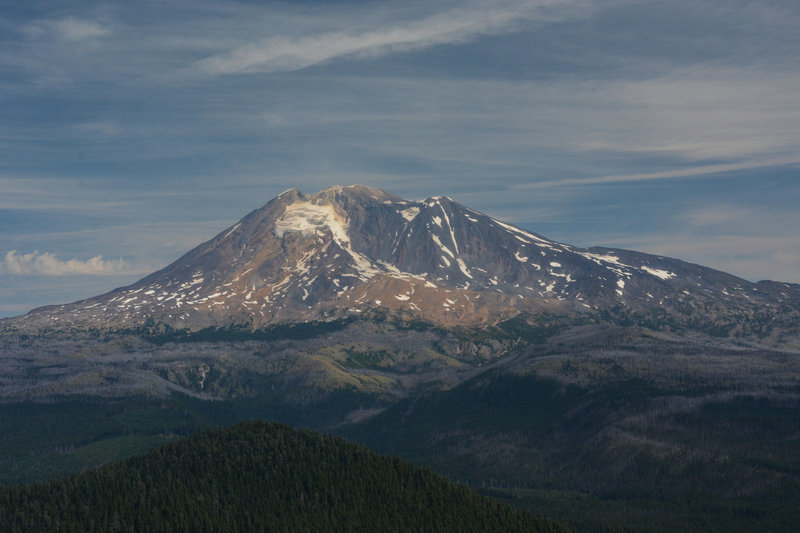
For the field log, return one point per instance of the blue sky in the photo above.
(132, 131)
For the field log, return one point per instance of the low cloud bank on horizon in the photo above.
(47, 264)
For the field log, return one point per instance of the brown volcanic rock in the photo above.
(348, 250)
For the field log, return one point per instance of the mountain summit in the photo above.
(351, 250)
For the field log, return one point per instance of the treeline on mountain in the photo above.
(256, 476)
(159, 333)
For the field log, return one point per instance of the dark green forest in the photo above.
(256, 476)
(724, 466)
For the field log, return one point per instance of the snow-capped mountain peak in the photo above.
(348, 250)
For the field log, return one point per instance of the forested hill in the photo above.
(258, 477)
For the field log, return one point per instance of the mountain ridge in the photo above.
(346, 251)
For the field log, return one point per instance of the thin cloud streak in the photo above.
(60, 194)
(739, 238)
(285, 54)
(706, 113)
(78, 30)
(701, 170)
(743, 256)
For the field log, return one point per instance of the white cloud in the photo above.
(731, 218)
(47, 264)
(700, 170)
(78, 30)
(106, 128)
(282, 54)
(708, 112)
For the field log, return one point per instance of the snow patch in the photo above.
(450, 227)
(444, 248)
(306, 218)
(599, 259)
(410, 213)
(663, 274)
(232, 230)
(463, 267)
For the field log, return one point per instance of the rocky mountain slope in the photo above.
(346, 251)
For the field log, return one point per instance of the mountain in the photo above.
(609, 389)
(347, 251)
(259, 477)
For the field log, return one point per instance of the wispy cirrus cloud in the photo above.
(706, 113)
(68, 29)
(750, 239)
(73, 29)
(107, 128)
(753, 257)
(289, 53)
(47, 264)
(694, 171)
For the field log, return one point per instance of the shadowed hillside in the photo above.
(258, 477)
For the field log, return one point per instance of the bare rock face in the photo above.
(346, 251)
